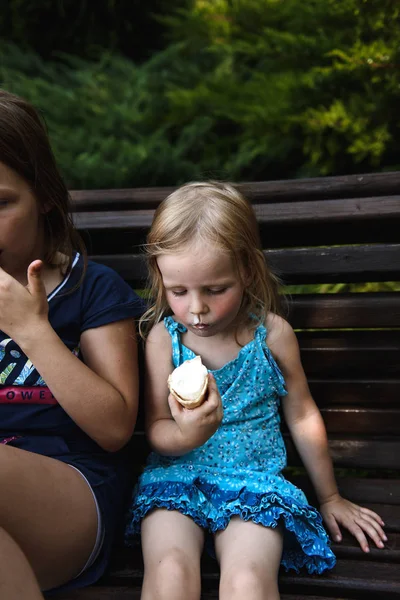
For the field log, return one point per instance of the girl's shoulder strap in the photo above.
(260, 335)
(173, 326)
(175, 329)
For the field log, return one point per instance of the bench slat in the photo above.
(323, 311)
(357, 489)
(343, 264)
(342, 186)
(358, 453)
(299, 265)
(267, 213)
(130, 593)
(365, 392)
(270, 213)
(372, 579)
(350, 354)
(361, 421)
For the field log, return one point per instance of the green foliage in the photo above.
(246, 90)
(101, 117)
(336, 288)
(86, 29)
(301, 88)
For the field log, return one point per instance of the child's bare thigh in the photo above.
(163, 530)
(48, 508)
(247, 543)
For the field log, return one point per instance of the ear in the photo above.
(44, 209)
(246, 277)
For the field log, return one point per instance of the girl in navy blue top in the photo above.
(68, 376)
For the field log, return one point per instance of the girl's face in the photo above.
(21, 228)
(203, 289)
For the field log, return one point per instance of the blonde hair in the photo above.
(215, 213)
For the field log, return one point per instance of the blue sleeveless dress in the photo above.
(238, 470)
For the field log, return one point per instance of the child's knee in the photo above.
(174, 566)
(249, 579)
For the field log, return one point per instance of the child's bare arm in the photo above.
(309, 435)
(172, 429)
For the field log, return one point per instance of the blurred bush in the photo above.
(246, 90)
(86, 29)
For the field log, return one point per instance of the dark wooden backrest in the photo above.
(325, 230)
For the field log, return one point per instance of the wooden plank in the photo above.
(350, 354)
(100, 592)
(130, 593)
(342, 186)
(345, 362)
(345, 310)
(351, 549)
(301, 265)
(343, 264)
(268, 213)
(122, 240)
(328, 211)
(112, 219)
(358, 489)
(365, 392)
(357, 453)
(350, 577)
(361, 421)
(354, 340)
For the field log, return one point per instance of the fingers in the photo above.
(213, 397)
(373, 515)
(34, 276)
(333, 528)
(175, 407)
(360, 522)
(370, 523)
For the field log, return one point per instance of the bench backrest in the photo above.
(339, 230)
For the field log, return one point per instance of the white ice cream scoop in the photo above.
(188, 382)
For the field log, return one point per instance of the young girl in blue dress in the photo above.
(68, 377)
(217, 469)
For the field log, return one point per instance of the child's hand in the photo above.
(22, 307)
(357, 519)
(197, 425)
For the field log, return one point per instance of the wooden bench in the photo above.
(326, 230)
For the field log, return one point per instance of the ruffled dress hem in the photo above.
(306, 543)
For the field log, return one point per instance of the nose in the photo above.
(197, 305)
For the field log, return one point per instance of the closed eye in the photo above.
(214, 292)
(178, 292)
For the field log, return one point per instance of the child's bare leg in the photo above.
(249, 557)
(47, 509)
(172, 545)
(17, 579)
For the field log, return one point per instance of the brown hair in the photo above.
(25, 148)
(215, 213)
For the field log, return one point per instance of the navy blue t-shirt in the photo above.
(27, 406)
